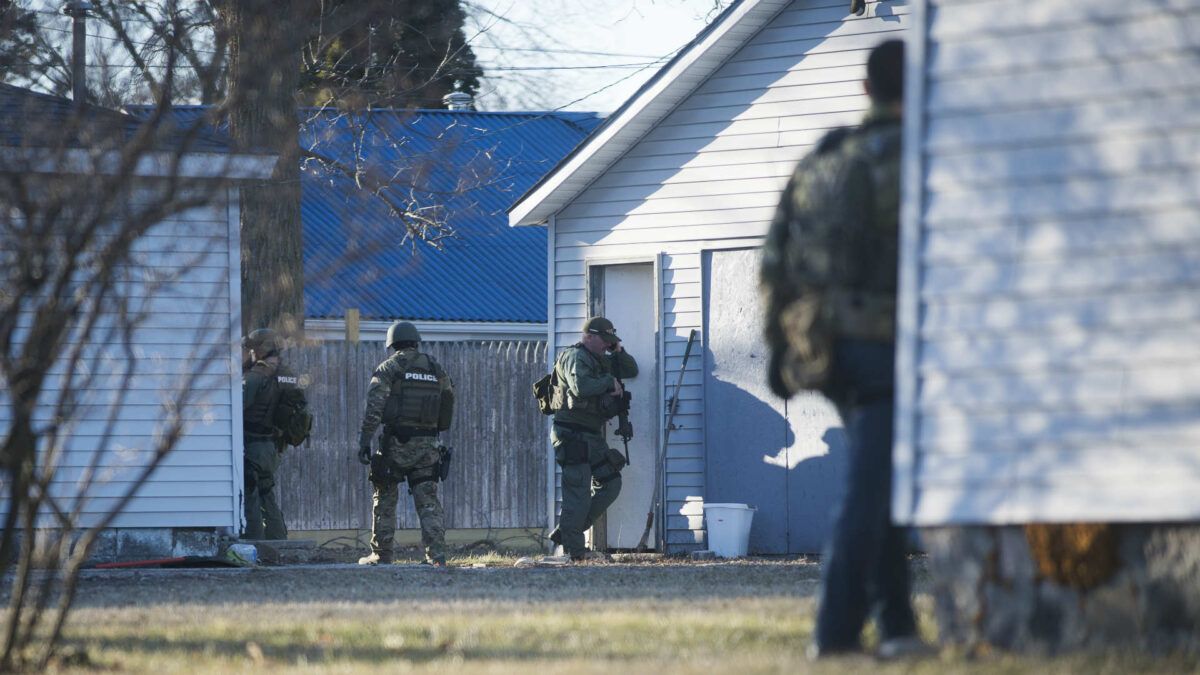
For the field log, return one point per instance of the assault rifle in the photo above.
(624, 426)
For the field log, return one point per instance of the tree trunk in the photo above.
(264, 67)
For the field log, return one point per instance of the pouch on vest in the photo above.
(543, 391)
(445, 410)
(615, 459)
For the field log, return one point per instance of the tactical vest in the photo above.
(600, 405)
(416, 399)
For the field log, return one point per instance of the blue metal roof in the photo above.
(463, 167)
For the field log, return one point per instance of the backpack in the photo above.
(290, 416)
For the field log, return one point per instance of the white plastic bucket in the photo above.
(729, 528)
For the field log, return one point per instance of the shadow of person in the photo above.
(747, 440)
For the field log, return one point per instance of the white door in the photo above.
(628, 300)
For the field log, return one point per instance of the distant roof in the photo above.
(36, 120)
(464, 167)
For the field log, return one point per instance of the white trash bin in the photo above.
(729, 528)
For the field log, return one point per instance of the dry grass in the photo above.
(671, 618)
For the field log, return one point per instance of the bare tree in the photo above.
(97, 243)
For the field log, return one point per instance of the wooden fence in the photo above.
(498, 476)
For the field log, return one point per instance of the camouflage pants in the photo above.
(414, 461)
(264, 519)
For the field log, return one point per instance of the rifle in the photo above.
(624, 426)
(672, 406)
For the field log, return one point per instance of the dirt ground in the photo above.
(413, 583)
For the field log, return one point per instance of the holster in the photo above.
(443, 465)
(572, 449)
(382, 471)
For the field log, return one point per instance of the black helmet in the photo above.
(264, 342)
(402, 331)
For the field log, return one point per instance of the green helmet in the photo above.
(402, 331)
(264, 342)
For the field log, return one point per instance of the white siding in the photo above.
(708, 176)
(1050, 347)
(185, 278)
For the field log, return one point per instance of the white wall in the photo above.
(1050, 328)
(709, 177)
(187, 339)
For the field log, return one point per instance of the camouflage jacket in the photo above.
(832, 253)
(586, 380)
(381, 387)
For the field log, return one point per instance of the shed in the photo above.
(656, 222)
(180, 286)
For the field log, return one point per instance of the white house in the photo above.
(656, 221)
(179, 295)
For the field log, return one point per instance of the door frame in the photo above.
(593, 267)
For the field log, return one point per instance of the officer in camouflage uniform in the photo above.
(829, 290)
(587, 395)
(413, 398)
(263, 446)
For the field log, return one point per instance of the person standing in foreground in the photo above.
(413, 398)
(261, 391)
(587, 393)
(829, 289)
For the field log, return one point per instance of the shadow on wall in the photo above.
(788, 460)
(820, 475)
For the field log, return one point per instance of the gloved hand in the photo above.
(364, 454)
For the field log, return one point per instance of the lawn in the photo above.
(743, 617)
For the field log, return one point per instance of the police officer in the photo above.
(829, 289)
(587, 394)
(263, 446)
(413, 398)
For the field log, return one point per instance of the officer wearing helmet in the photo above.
(263, 447)
(412, 398)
